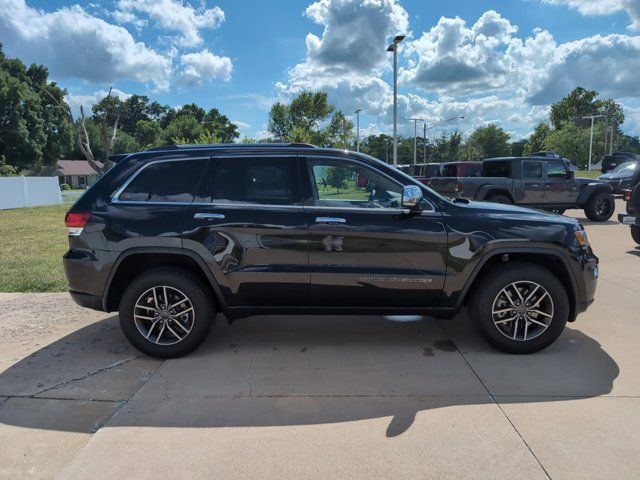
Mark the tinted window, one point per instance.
(265, 181)
(449, 171)
(496, 169)
(474, 170)
(349, 184)
(531, 170)
(556, 170)
(174, 181)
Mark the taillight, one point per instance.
(627, 195)
(75, 222)
(458, 187)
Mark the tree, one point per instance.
(33, 121)
(301, 119)
(570, 141)
(580, 103)
(148, 133)
(339, 133)
(220, 127)
(184, 129)
(488, 141)
(336, 177)
(378, 146)
(535, 143)
(6, 170)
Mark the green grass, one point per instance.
(32, 242)
(587, 174)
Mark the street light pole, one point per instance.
(592, 117)
(424, 144)
(437, 124)
(415, 137)
(394, 48)
(357, 112)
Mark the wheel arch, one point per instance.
(135, 261)
(551, 260)
(487, 191)
(590, 190)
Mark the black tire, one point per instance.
(600, 207)
(500, 199)
(488, 289)
(199, 319)
(635, 233)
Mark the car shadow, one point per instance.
(276, 371)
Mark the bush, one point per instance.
(64, 187)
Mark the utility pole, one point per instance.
(424, 144)
(592, 117)
(394, 48)
(357, 112)
(415, 137)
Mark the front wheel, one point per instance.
(165, 313)
(635, 233)
(600, 207)
(520, 308)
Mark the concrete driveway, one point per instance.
(325, 397)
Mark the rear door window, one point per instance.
(531, 170)
(256, 180)
(496, 169)
(166, 181)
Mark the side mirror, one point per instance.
(411, 196)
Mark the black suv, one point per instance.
(173, 235)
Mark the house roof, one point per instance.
(75, 167)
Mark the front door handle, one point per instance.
(330, 220)
(208, 216)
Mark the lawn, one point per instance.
(591, 174)
(32, 242)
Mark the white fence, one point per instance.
(19, 192)
(71, 197)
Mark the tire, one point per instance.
(141, 300)
(489, 296)
(635, 233)
(600, 207)
(500, 199)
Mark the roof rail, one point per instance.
(118, 157)
(230, 145)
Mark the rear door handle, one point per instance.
(208, 216)
(330, 220)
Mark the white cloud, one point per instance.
(240, 124)
(452, 57)
(73, 43)
(350, 57)
(202, 66)
(172, 15)
(604, 7)
(87, 101)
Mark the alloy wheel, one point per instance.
(522, 310)
(164, 315)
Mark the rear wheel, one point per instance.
(166, 313)
(600, 207)
(520, 308)
(500, 199)
(635, 233)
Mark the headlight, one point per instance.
(581, 237)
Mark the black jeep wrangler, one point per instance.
(173, 235)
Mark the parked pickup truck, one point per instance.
(532, 182)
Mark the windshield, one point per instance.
(625, 169)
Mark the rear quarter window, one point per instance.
(496, 169)
(166, 181)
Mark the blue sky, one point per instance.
(491, 61)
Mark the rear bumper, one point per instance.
(87, 300)
(628, 219)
